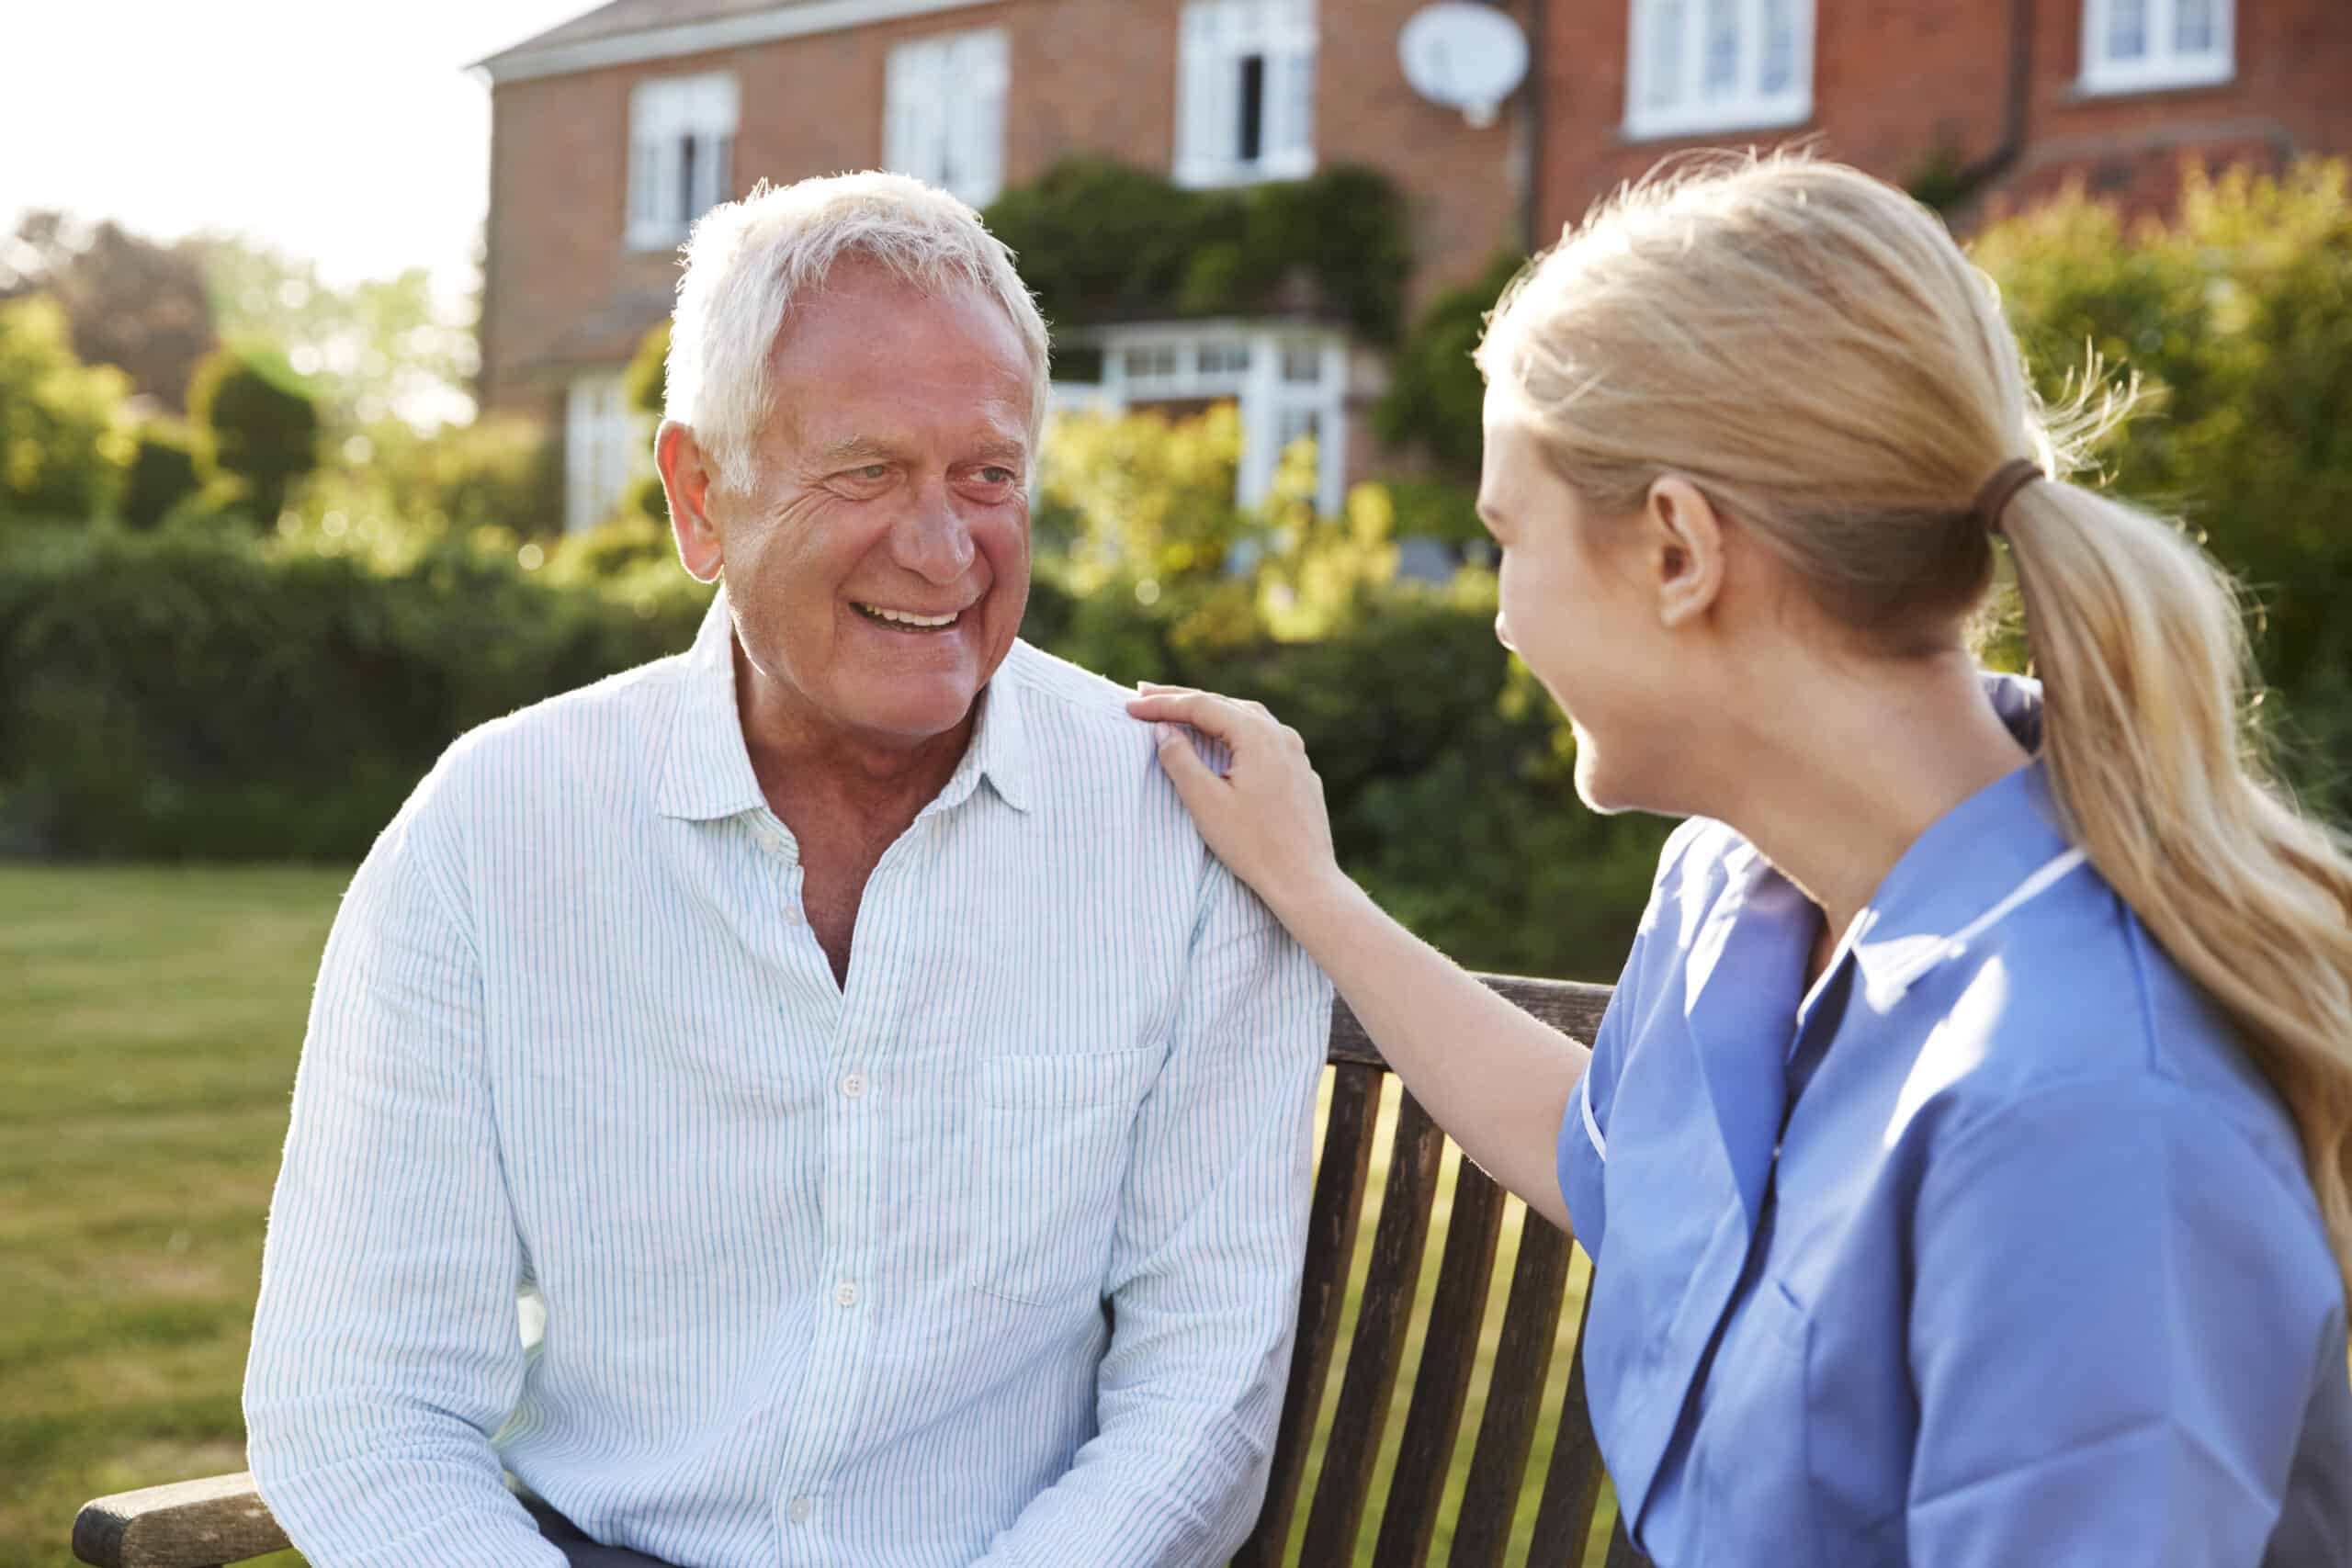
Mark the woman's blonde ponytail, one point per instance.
(2140, 644)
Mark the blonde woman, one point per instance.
(1966, 1155)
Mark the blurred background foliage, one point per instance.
(1099, 241)
(187, 673)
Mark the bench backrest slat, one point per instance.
(1384, 1313)
(1514, 1398)
(1331, 1225)
(1442, 1379)
(1449, 1360)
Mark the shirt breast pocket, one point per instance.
(1758, 1487)
(1052, 1139)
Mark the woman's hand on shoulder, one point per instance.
(1264, 815)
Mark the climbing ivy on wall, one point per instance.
(1100, 241)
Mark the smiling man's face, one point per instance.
(879, 569)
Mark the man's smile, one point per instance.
(906, 620)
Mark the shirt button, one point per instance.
(802, 1508)
(853, 1085)
(770, 841)
(846, 1292)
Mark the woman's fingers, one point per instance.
(1208, 714)
(1192, 777)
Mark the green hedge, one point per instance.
(195, 694)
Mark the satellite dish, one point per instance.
(1465, 56)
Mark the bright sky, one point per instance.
(346, 131)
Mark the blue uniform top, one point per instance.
(1992, 1248)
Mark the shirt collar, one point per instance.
(2001, 842)
(1969, 862)
(1746, 948)
(707, 769)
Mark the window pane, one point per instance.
(1722, 48)
(684, 211)
(1778, 69)
(1251, 132)
(2193, 27)
(1151, 364)
(1302, 363)
(1294, 125)
(1224, 359)
(2127, 29)
(1667, 22)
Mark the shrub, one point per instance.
(501, 471)
(63, 443)
(261, 429)
(163, 473)
(1435, 395)
(191, 694)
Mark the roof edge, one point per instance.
(525, 61)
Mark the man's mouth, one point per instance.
(906, 620)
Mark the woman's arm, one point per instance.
(1496, 1078)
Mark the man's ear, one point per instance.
(687, 481)
(1686, 549)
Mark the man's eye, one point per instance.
(996, 474)
(875, 472)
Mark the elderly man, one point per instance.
(903, 1119)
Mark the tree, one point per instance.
(132, 303)
(370, 351)
(1436, 398)
(2236, 315)
(260, 426)
(63, 441)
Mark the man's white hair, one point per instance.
(747, 261)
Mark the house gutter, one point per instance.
(1975, 178)
(1530, 216)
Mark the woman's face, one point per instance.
(1574, 608)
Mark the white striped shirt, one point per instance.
(990, 1255)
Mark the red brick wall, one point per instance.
(1895, 84)
(563, 291)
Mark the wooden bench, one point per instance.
(204, 1523)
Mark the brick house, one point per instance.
(2012, 99)
(613, 131)
(610, 131)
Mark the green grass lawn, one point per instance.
(149, 1025)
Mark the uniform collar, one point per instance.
(707, 770)
(1747, 947)
(2004, 843)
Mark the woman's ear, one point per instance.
(686, 481)
(1685, 554)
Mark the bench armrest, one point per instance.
(187, 1524)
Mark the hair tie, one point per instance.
(2007, 480)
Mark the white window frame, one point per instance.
(604, 441)
(1666, 48)
(1219, 38)
(944, 119)
(2165, 64)
(1196, 361)
(675, 122)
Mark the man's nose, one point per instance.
(931, 541)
